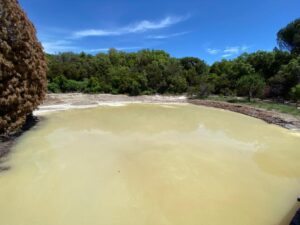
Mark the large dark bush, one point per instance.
(22, 67)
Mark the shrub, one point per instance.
(251, 85)
(22, 67)
(295, 92)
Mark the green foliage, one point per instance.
(62, 84)
(262, 62)
(289, 37)
(54, 87)
(156, 72)
(251, 85)
(205, 87)
(287, 77)
(123, 73)
(295, 92)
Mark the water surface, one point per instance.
(151, 164)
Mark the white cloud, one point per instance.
(92, 32)
(57, 46)
(236, 49)
(232, 50)
(107, 49)
(165, 36)
(228, 51)
(148, 25)
(213, 51)
(226, 55)
(141, 26)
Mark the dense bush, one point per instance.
(251, 85)
(295, 93)
(144, 72)
(148, 72)
(22, 67)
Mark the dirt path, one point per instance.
(283, 120)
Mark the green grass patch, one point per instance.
(271, 106)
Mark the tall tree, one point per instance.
(251, 85)
(287, 77)
(289, 37)
(22, 67)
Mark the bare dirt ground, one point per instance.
(94, 99)
(284, 120)
(56, 102)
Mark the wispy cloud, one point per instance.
(117, 48)
(232, 50)
(141, 26)
(166, 36)
(228, 51)
(226, 55)
(235, 49)
(213, 51)
(58, 46)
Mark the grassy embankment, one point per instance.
(268, 105)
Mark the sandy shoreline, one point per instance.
(57, 102)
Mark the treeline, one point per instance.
(144, 72)
(274, 74)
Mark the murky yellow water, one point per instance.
(151, 165)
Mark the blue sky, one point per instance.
(208, 29)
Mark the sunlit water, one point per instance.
(151, 165)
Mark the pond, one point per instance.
(151, 164)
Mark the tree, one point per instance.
(191, 62)
(222, 71)
(239, 69)
(22, 67)
(251, 85)
(262, 62)
(287, 77)
(193, 68)
(295, 92)
(177, 84)
(289, 37)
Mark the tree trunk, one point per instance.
(249, 96)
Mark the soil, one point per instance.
(272, 117)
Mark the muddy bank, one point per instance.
(283, 120)
(56, 102)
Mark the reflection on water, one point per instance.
(151, 164)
